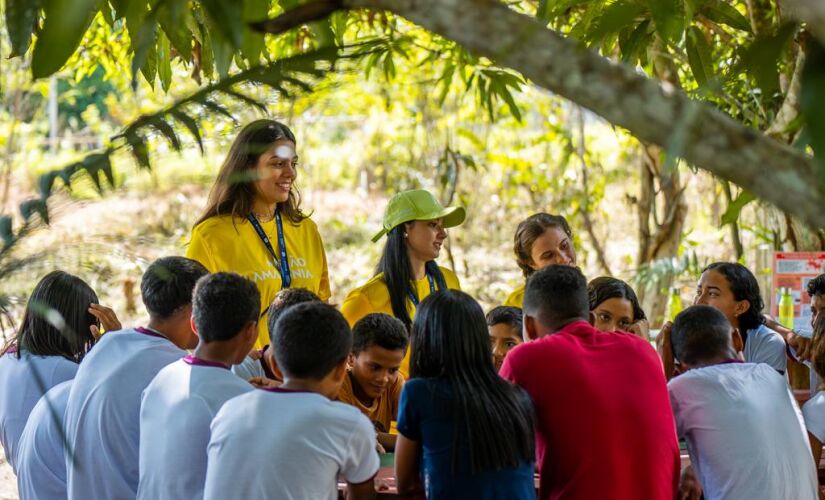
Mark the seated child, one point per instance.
(103, 411)
(42, 355)
(254, 367)
(504, 325)
(615, 308)
(292, 441)
(373, 383)
(744, 432)
(180, 403)
(41, 468)
(464, 432)
(814, 408)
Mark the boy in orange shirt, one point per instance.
(373, 383)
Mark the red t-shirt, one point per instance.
(604, 426)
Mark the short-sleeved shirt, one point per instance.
(763, 345)
(293, 445)
(103, 413)
(814, 413)
(516, 298)
(224, 243)
(374, 297)
(604, 422)
(426, 416)
(41, 468)
(744, 433)
(383, 410)
(23, 382)
(175, 414)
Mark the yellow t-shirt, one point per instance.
(384, 410)
(516, 298)
(373, 297)
(220, 245)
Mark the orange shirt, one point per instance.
(383, 410)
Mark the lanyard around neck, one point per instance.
(414, 296)
(283, 261)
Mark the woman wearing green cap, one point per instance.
(415, 224)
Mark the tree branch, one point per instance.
(298, 16)
(656, 113)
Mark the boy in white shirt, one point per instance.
(185, 396)
(293, 442)
(103, 412)
(744, 431)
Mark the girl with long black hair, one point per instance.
(464, 432)
(61, 322)
(415, 224)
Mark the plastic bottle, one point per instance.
(674, 303)
(786, 308)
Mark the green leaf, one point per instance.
(139, 150)
(247, 100)
(150, 66)
(217, 108)
(207, 56)
(45, 183)
(615, 17)
(668, 17)
(731, 215)
(6, 231)
(223, 53)
(164, 62)
(191, 125)
(631, 45)
(65, 22)
(721, 12)
(812, 102)
(253, 41)
(761, 57)
(228, 19)
(174, 19)
(699, 56)
(20, 18)
(30, 207)
(164, 128)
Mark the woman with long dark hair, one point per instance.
(614, 307)
(415, 224)
(60, 324)
(464, 432)
(253, 224)
(541, 240)
(732, 288)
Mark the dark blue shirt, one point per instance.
(425, 415)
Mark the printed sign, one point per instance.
(794, 270)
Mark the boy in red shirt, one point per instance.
(604, 427)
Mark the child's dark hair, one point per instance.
(285, 299)
(168, 283)
(57, 321)
(311, 339)
(816, 286)
(818, 347)
(744, 286)
(450, 342)
(223, 304)
(507, 315)
(700, 333)
(605, 287)
(381, 330)
(556, 293)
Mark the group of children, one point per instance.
(567, 385)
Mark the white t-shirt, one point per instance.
(744, 433)
(41, 468)
(22, 383)
(814, 412)
(304, 440)
(764, 345)
(175, 414)
(249, 368)
(103, 414)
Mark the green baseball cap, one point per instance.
(417, 204)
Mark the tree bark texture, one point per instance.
(653, 112)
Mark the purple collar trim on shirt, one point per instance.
(149, 332)
(731, 360)
(287, 391)
(195, 361)
(12, 349)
